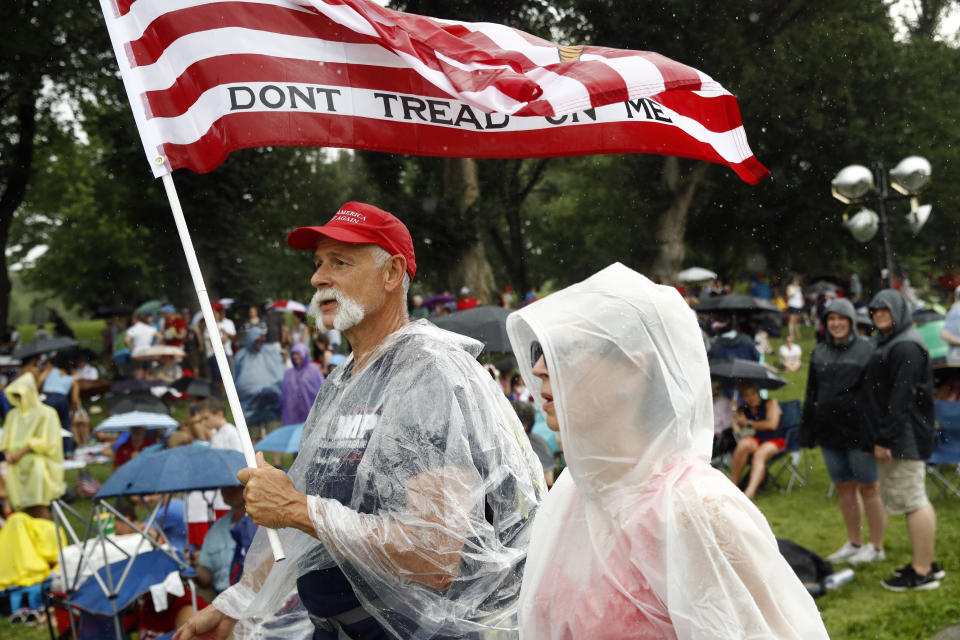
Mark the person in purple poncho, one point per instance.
(300, 386)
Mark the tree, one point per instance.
(109, 221)
(55, 54)
(469, 198)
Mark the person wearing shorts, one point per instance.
(831, 418)
(757, 421)
(898, 394)
(794, 307)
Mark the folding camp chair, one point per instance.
(947, 451)
(102, 597)
(789, 462)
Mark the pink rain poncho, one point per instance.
(640, 537)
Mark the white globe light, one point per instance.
(853, 182)
(863, 225)
(916, 219)
(912, 173)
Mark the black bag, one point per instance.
(809, 567)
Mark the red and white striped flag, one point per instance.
(207, 77)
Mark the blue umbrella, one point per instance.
(178, 469)
(285, 439)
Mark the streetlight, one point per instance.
(857, 185)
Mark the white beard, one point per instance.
(349, 312)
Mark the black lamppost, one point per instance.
(856, 185)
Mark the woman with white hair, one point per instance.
(640, 536)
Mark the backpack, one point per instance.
(809, 567)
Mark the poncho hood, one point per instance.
(304, 353)
(845, 308)
(628, 372)
(640, 537)
(22, 393)
(899, 309)
(254, 333)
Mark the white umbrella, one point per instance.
(695, 274)
(125, 421)
(158, 351)
(289, 306)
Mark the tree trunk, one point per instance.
(514, 256)
(15, 190)
(472, 269)
(672, 226)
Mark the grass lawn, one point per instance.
(860, 609)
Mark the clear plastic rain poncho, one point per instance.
(640, 537)
(429, 490)
(37, 478)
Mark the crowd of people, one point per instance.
(564, 492)
(869, 406)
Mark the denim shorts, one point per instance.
(850, 464)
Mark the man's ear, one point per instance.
(393, 272)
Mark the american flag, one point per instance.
(207, 77)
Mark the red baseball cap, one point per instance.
(359, 223)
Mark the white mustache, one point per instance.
(349, 312)
(326, 294)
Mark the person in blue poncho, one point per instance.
(258, 371)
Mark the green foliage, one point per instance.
(109, 225)
(812, 101)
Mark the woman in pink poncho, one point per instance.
(640, 537)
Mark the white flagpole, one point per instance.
(217, 343)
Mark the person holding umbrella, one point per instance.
(832, 418)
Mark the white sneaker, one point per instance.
(867, 553)
(843, 552)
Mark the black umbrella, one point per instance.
(738, 370)
(136, 401)
(735, 303)
(822, 287)
(922, 316)
(44, 345)
(943, 372)
(109, 311)
(196, 387)
(487, 324)
(506, 365)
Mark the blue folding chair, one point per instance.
(788, 462)
(947, 451)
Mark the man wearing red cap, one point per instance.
(407, 510)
